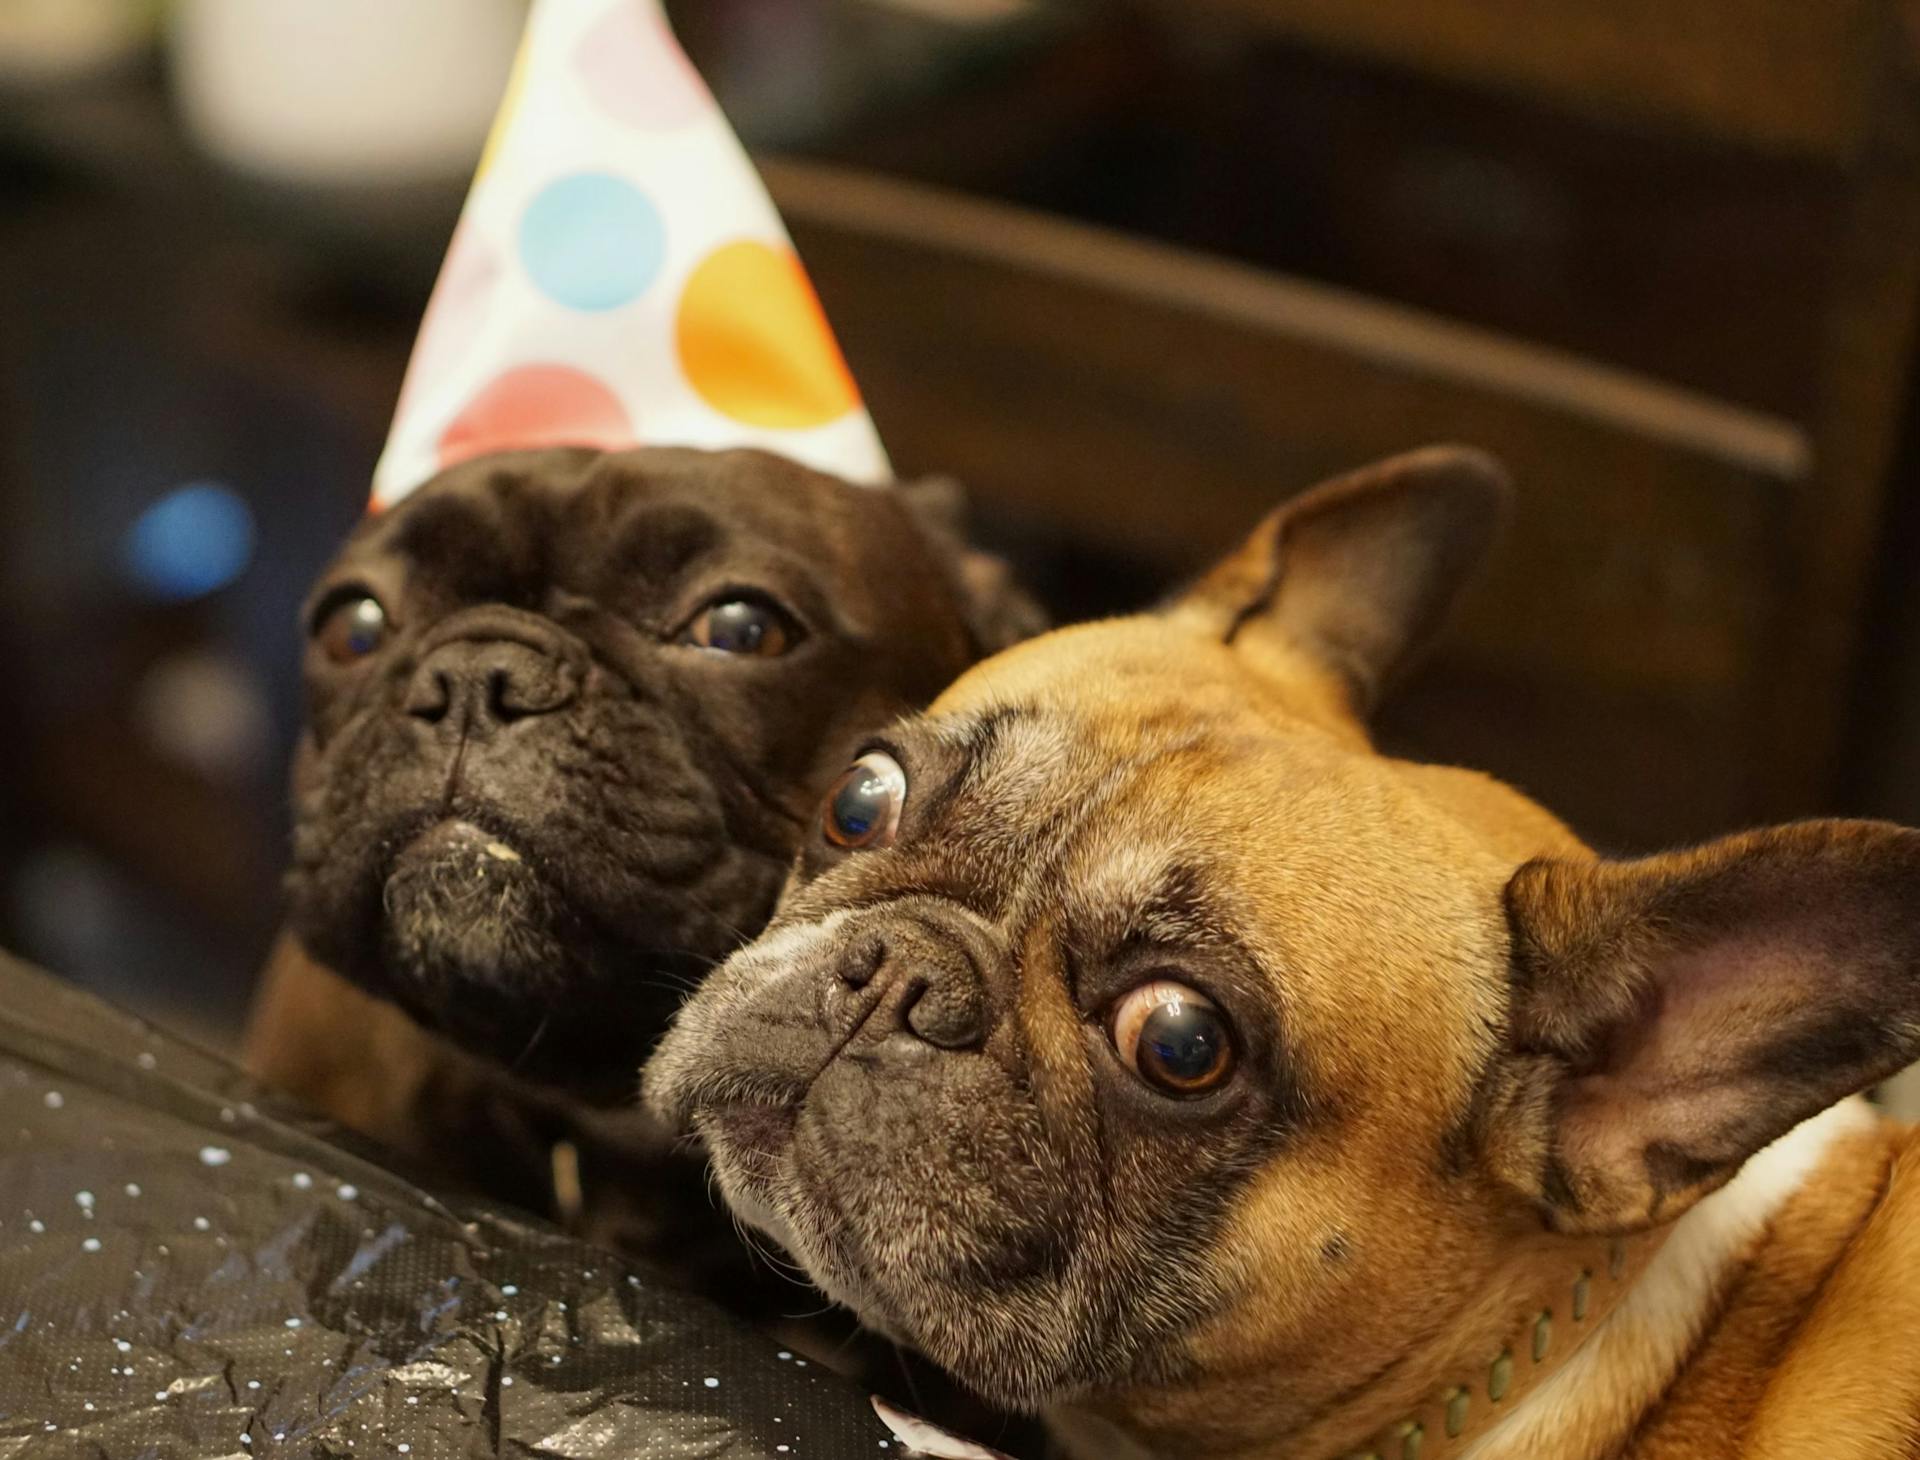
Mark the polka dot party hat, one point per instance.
(619, 276)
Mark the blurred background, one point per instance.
(1134, 271)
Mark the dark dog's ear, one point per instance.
(1672, 1016)
(1358, 572)
(999, 612)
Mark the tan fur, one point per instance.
(1849, 1386)
(343, 1051)
(1762, 1316)
(1824, 1274)
(1529, 1081)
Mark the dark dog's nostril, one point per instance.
(500, 697)
(429, 695)
(490, 683)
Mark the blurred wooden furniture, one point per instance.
(1667, 645)
(1625, 658)
(1831, 84)
(1785, 75)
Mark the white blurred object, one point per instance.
(961, 12)
(343, 92)
(54, 40)
(206, 711)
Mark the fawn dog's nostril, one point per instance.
(862, 960)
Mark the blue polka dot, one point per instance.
(592, 241)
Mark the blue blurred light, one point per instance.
(195, 539)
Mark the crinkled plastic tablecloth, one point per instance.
(186, 1274)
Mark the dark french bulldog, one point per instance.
(1144, 1047)
(569, 713)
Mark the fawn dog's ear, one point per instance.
(1673, 1015)
(1358, 572)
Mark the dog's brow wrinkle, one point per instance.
(665, 540)
(981, 741)
(435, 524)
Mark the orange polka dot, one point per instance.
(754, 342)
(537, 405)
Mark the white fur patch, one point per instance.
(1634, 1353)
(922, 1438)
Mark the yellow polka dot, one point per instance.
(509, 108)
(754, 342)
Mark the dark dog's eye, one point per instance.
(863, 810)
(742, 626)
(352, 628)
(1173, 1038)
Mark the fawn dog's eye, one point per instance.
(1175, 1039)
(863, 809)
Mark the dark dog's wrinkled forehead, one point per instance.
(624, 529)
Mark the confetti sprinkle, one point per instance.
(53, 1100)
(215, 1155)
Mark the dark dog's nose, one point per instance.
(477, 684)
(928, 987)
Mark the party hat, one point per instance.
(619, 276)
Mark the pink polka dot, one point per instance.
(454, 314)
(636, 72)
(537, 405)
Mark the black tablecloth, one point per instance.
(187, 1273)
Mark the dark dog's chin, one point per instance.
(464, 907)
(476, 942)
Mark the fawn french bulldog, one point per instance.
(1152, 1053)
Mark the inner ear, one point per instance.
(1358, 573)
(1672, 1016)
